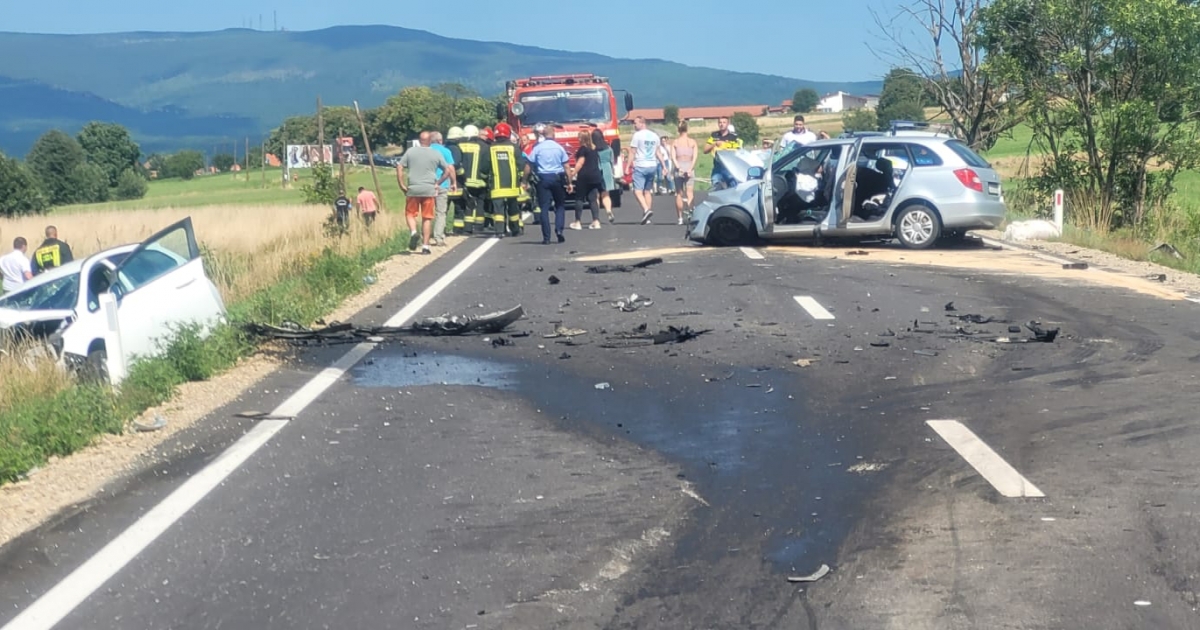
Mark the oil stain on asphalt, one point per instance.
(774, 473)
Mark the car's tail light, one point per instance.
(970, 179)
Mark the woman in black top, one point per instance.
(588, 181)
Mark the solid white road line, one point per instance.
(813, 307)
(58, 602)
(983, 459)
(752, 254)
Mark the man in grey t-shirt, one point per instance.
(422, 164)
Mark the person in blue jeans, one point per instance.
(548, 161)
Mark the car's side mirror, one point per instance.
(628, 102)
(756, 172)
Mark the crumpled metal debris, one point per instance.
(632, 303)
(1041, 334)
(561, 331)
(158, 423)
(641, 336)
(812, 577)
(466, 324)
(624, 268)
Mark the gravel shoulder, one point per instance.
(68, 481)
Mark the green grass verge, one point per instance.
(31, 431)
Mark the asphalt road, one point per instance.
(595, 481)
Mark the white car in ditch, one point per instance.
(159, 286)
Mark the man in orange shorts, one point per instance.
(422, 163)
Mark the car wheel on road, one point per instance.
(918, 227)
(727, 231)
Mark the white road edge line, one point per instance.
(64, 597)
(752, 254)
(813, 307)
(1003, 477)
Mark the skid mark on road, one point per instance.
(813, 307)
(1003, 477)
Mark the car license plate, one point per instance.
(993, 188)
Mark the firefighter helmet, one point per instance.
(503, 130)
(455, 133)
(471, 131)
(487, 134)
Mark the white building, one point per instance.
(841, 101)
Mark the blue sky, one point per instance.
(819, 40)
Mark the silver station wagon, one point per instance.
(915, 187)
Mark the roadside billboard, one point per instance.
(305, 155)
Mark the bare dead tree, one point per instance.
(940, 41)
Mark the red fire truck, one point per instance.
(570, 102)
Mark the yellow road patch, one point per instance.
(1003, 262)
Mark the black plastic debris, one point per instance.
(502, 341)
(880, 344)
(1014, 329)
(975, 319)
(554, 280)
(624, 268)
(335, 333)
(641, 336)
(950, 307)
(666, 289)
(1041, 334)
(1077, 265)
(1157, 277)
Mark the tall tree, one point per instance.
(20, 191)
(223, 161)
(859, 120)
(805, 100)
(747, 128)
(1113, 92)
(53, 159)
(901, 98)
(184, 164)
(671, 114)
(941, 42)
(109, 146)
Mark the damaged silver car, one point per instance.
(915, 188)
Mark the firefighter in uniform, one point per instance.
(457, 201)
(508, 163)
(477, 171)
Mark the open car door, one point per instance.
(849, 178)
(161, 286)
(766, 193)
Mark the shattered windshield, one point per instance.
(57, 294)
(566, 106)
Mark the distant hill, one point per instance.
(177, 89)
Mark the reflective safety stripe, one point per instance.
(471, 155)
(48, 257)
(505, 183)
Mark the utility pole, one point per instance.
(370, 156)
(320, 130)
(246, 158)
(341, 157)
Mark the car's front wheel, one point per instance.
(725, 231)
(918, 227)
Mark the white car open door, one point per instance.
(160, 287)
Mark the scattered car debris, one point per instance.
(564, 356)
(335, 333)
(812, 577)
(260, 415)
(858, 252)
(950, 307)
(1166, 248)
(1014, 329)
(632, 303)
(466, 324)
(554, 279)
(561, 331)
(1041, 334)
(502, 341)
(925, 353)
(1077, 265)
(666, 289)
(804, 362)
(1157, 277)
(880, 344)
(976, 319)
(158, 423)
(624, 268)
(603, 386)
(640, 335)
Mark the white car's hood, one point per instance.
(738, 163)
(10, 317)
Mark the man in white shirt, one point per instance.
(645, 165)
(799, 134)
(15, 267)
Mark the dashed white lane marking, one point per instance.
(59, 601)
(1003, 477)
(752, 254)
(813, 307)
